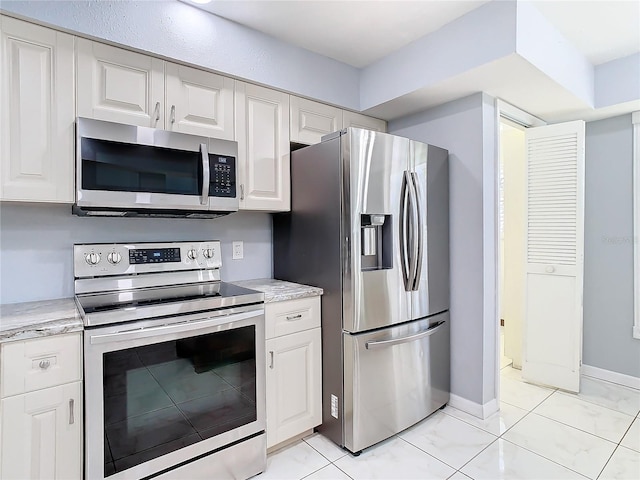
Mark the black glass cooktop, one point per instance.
(166, 295)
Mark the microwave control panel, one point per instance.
(222, 176)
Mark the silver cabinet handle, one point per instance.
(157, 112)
(294, 317)
(271, 359)
(44, 364)
(242, 191)
(409, 338)
(71, 404)
(206, 176)
(172, 115)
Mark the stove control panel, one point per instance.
(98, 259)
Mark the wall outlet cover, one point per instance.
(237, 250)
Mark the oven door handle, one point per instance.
(190, 326)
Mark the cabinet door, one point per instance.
(199, 102)
(262, 132)
(38, 113)
(310, 121)
(119, 86)
(42, 434)
(294, 385)
(352, 119)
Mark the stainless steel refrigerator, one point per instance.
(369, 223)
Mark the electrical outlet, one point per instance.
(238, 250)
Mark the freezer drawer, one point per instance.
(394, 378)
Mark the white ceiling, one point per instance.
(361, 32)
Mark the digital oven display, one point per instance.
(154, 255)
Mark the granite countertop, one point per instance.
(279, 290)
(20, 321)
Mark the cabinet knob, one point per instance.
(44, 364)
(550, 269)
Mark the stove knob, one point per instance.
(114, 258)
(209, 252)
(192, 254)
(92, 258)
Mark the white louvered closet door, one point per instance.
(552, 327)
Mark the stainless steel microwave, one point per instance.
(126, 170)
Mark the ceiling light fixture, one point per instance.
(201, 2)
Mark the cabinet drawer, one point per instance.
(291, 316)
(34, 364)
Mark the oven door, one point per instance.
(161, 392)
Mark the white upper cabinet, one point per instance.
(37, 92)
(352, 119)
(119, 86)
(199, 102)
(262, 132)
(310, 121)
(126, 87)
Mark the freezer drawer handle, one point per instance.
(409, 338)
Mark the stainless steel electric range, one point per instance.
(173, 363)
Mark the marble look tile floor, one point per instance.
(538, 434)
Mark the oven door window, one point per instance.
(162, 397)
(123, 167)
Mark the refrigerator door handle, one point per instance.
(404, 260)
(414, 232)
(419, 228)
(409, 338)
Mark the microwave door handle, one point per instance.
(204, 196)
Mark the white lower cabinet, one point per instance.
(41, 429)
(294, 371)
(42, 434)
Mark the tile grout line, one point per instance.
(584, 431)
(587, 400)
(548, 459)
(616, 449)
(442, 461)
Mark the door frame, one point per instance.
(516, 115)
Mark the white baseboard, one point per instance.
(609, 376)
(473, 408)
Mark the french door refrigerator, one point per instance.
(369, 223)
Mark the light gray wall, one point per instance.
(458, 127)
(36, 245)
(179, 31)
(608, 249)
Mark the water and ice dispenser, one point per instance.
(375, 242)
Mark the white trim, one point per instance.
(609, 376)
(473, 408)
(635, 119)
(526, 120)
(516, 115)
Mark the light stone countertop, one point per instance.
(21, 321)
(279, 290)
